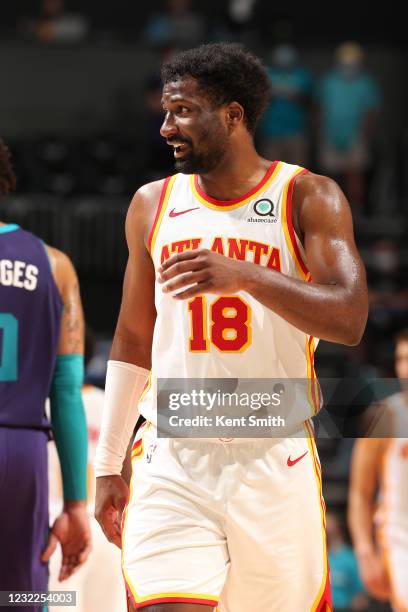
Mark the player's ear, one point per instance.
(235, 115)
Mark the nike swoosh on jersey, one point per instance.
(294, 461)
(174, 213)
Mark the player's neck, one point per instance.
(237, 174)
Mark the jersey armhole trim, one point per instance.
(313, 387)
(255, 192)
(9, 227)
(289, 230)
(161, 208)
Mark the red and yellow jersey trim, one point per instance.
(314, 393)
(237, 202)
(137, 449)
(289, 230)
(313, 390)
(169, 598)
(147, 387)
(323, 601)
(161, 209)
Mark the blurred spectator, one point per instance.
(349, 102)
(55, 24)
(383, 264)
(387, 277)
(240, 11)
(347, 588)
(178, 23)
(234, 21)
(283, 130)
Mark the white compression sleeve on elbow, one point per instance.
(123, 388)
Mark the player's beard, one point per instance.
(213, 148)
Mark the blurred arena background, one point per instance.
(80, 109)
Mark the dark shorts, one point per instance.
(23, 511)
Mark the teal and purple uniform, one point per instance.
(30, 318)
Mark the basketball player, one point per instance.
(213, 290)
(380, 534)
(98, 584)
(41, 354)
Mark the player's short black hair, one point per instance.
(7, 176)
(226, 72)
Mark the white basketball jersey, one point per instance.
(231, 336)
(393, 510)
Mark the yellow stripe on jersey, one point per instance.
(161, 209)
(146, 387)
(254, 193)
(317, 604)
(313, 388)
(288, 226)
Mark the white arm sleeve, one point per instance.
(124, 386)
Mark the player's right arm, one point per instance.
(132, 342)
(129, 365)
(365, 470)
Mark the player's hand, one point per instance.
(112, 494)
(71, 529)
(374, 576)
(209, 272)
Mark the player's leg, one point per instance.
(174, 549)
(23, 511)
(275, 530)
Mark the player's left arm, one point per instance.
(333, 307)
(71, 528)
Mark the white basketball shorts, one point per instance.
(238, 526)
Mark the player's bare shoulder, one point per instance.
(317, 198)
(310, 183)
(72, 323)
(62, 268)
(142, 209)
